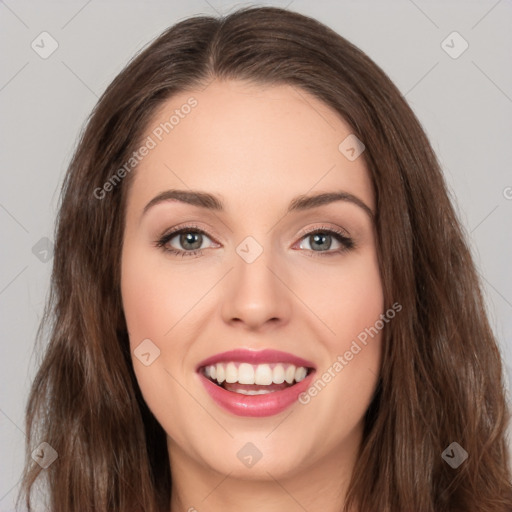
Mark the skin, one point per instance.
(256, 147)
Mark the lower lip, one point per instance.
(256, 405)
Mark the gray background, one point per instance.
(464, 104)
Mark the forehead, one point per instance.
(249, 144)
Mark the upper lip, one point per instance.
(241, 355)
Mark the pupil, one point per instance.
(189, 239)
(320, 240)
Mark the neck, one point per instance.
(318, 485)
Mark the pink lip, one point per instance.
(256, 405)
(242, 355)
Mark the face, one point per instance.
(277, 296)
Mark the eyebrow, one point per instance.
(299, 203)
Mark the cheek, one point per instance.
(351, 306)
(360, 300)
(347, 298)
(152, 306)
(361, 307)
(152, 302)
(156, 299)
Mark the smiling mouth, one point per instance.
(255, 379)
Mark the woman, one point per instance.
(261, 293)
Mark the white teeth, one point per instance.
(221, 373)
(253, 392)
(290, 374)
(231, 373)
(278, 374)
(245, 374)
(300, 373)
(261, 374)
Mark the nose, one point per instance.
(256, 295)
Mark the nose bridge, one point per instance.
(255, 293)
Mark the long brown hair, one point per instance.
(441, 378)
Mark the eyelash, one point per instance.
(346, 242)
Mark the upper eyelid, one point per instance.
(192, 228)
(338, 230)
(185, 229)
(181, 229)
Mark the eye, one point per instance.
(321, 241)
(186, 241)
(190, 240)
